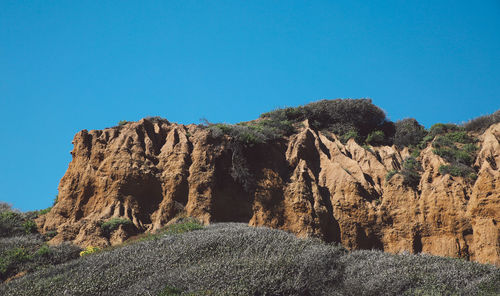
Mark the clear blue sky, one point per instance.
(72, 65)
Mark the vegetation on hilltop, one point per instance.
(339, 116)
(348, 118)
(357, 119)
(361, 120)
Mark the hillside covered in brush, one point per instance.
(235, 259)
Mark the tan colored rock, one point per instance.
(310, 184)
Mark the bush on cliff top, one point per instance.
(481, 123)
(408, 132)
(339, 116)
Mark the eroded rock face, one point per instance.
(310, 184)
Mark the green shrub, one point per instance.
(10, 223)
(449, 169)
(462, 156)
(445, 147)
(44, 211)
(113, 224)
(247, 135)
(22, 248)
(408, 132)
(349, 135)
(122, 122)
(274, 127)
(425, 141)
(470, 148)
(375, 138)
(410, 163)
(29, 253)
(458, 170)
(50, 234)
(338, 116)
(411, 171)
(157, 119)
(13, 222)
(411, 178)
(30, 227)
(342, 115)
(20, 255)
(288, 113)
(169, 291)
(390, 174)
(43, 251)
(439, 129)
(415, 151)
(446, 153)
(10, 259)
(182, 227)
(443, 128)
(459, 137)
(441, 142)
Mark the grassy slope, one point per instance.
(234, 259)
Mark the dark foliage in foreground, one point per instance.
(234, 259)
(14, 222)
(22, 249)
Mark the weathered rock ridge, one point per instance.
(310, 184)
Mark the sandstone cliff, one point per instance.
(309, 183)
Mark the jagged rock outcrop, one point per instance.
(310, 184)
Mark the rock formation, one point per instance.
(310, 184)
